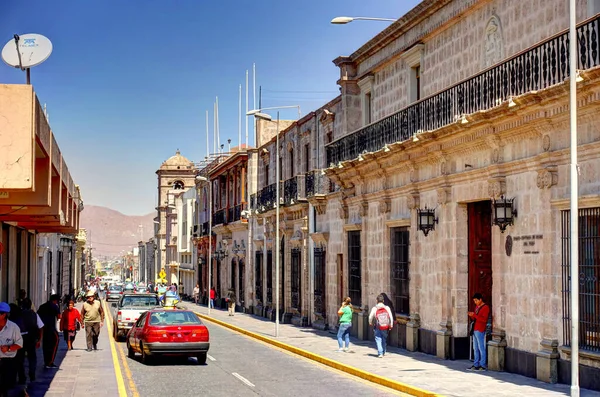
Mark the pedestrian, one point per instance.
(49, 312)
(211, 303)
(381, 320)
(345, 313)
(32, 333)
(196, 293)
(479, 325)
(92, 316)
(230, 299)
(69, 324)
(10, 342)
(181, 288)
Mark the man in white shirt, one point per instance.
(382, 320)
(10, 341)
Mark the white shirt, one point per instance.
(374, 310)
(10, 335)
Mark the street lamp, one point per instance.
(345, 20)
(259, 115)
(200, 178)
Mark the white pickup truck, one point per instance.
(127, 311)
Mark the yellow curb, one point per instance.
(381, 380)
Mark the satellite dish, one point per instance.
(26, 51)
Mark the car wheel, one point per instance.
(146, 358)
(201, 358)
(130, 351)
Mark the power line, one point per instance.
(304, 92)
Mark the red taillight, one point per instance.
(199, 335)
(120, 292)
(155, 335)
(119, 316)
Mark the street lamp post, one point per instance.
(345, 20)
(257, 113)
(203, 179)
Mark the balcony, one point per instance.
(294, 190)
(537, 68)
(317, 184)
(265, 199)
(219, 217)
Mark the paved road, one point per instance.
(244, 367)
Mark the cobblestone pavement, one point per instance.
(446, 377)
(79, 373)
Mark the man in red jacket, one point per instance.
(480, 316)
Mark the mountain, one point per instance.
(109, 232)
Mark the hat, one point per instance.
(55, 297)
(4, 307)
(89, 293)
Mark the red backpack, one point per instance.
(382, 319)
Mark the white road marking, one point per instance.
(211, 358)
(240, 377)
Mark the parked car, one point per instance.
(114, 292)
(168, 332)
(128, 310)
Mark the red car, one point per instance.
(168, 332)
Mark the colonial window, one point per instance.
(296, 274)
(366, 99)
(178, 185)
(416, 77)
(589, 279)
(354, 268)
(266, 175)
(413, 58)
(399, 265)
(292, 173)
(306, 158)
(320, 281)
(368, 109)
(258, 263)
(269, 276)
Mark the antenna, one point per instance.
(26, 51)
(246, 108)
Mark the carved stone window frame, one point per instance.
(366, 88)
(413, 58)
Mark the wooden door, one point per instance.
(480, 251)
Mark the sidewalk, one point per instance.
(80, 373)
(445, 377)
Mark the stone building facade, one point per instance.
(426, 130)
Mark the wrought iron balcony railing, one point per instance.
(219, 217)
(537, 68)
(266, 199)
(237, 212)
(317, 184)
(294, 190)
(230, 215)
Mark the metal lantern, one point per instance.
(426, 220)
(504, 212)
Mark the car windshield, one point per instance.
(137, 301)
(115, 288)
(174, 318)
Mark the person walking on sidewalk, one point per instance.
(231, 299)
(211, 302)
(69, 324)
(49, 312)
(92, 316)
(380, 318)
(10, 342)
(32, 333)
(196, 293)
(343, 334)
(480, 317)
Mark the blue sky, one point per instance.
(129, 82)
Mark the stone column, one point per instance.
(547, 361)
(412, 333)
(443, 339)
(496, 350)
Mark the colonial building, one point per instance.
(451, 150)
(175, 176)
(37, 196)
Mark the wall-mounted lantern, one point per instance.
(426, 220)
(504, 213)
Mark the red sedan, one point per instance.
(168, 332)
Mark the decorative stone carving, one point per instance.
(496, 188)
(443, 195)
(320, 207)
(494, 43)
(344, 211)
(547, 178)
(546, 143)
(547, 361)
(412, 201)
(413, 173)
(385, 206)
(364, 209)
(495, 156)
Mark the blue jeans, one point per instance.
(344, 333)
(480, 349)
(211, 304)
(381, 340)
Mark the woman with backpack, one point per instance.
(381, 319)
(343, 334)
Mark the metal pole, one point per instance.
(209, 239)
(277, 248)
(574, 232)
